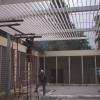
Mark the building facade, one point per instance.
(18, 69)
(72, 67)
(61, 67)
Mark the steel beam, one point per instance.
(16, 29)
(6, 2)
(82, 30)
(66, 38)
(5, 21)
(73, 9)
(72, 31)
(66, 10)
(83, 9)
(69, 10)
(5, 25)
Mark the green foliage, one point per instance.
(3, 33)
(97, 39)
(69, 45)
(63, 45)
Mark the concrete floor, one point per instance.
(64, 93)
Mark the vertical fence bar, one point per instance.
(38, 65)
(0, 65)
(69, 68)
(82, 70)
(96, 77)
(44, 63)
(56, 70)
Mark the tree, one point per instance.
(3, 33)
(97, 24)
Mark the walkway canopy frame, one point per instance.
(52, 21)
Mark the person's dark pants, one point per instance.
(43, 86)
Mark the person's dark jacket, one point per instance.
(42, 78)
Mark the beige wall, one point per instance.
(73, 53)
(3, 42)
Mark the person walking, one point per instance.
(42, 80)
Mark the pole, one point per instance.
(69, 68)
(7, 89)
(56, 70)
(82, 70)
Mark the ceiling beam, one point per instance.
(6, 2)
(71, 9)
(16, 30)
(5, 21)
(83, 9)
(71, 31)
(66, 10)
(6, 25)
(55, 39)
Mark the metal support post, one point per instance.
(69, 68)
(96, 81)
(0, 63)
(44, 63)
(8, 72)
(38, 65)
(82, 70)
(56, 70)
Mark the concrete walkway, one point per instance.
(55, 92)
(71, 93)
(74, 91)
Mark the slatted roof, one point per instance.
(73, 20)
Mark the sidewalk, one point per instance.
(74, 91)
(71, 92)
(55, 92)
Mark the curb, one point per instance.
(75, 96)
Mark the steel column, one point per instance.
(38, 65)
(82, 70)
(0, 64)
(96, 77)
(69, 68)
(44, 63)
(56, 70)
(7, 89)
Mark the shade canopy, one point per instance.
(51, 19)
